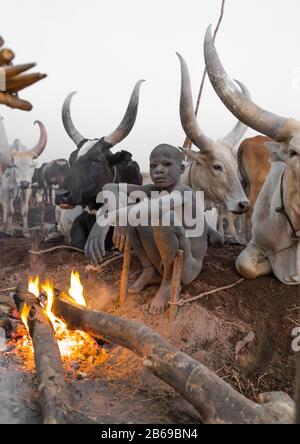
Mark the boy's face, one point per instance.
(165, 169)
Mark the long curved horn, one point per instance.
(67, 121)
(129, 118)
(242, 108)
(40, 146)
(187, 113)
(240, 129)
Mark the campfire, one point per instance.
(74, 345)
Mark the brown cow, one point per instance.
(254, 164)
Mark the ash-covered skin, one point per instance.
(156, 246)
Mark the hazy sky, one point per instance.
(100, 48)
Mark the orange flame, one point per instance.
(24, 314)
(58, 325)
(34, 286)
(76, 289)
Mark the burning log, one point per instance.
(14, 102)
(18, 83)
(214, 399)
(54, 398)
(6, 56)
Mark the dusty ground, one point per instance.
(118, 389)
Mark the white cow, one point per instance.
(16, 180)
(213, 168)
(275, 239)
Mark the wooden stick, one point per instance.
(20, 82)
(14, 102)
(35, 246)
(214, 399)
(125, 271)
(215, 290)
(6, 56)
(54, 398)
(187, 143)
(175, 285)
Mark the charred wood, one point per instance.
(214, 399)
(54, 398)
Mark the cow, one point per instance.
(254, 161)
(47, 176)
(274, 245)
(16, 180)
(213, 169)
(92, 165)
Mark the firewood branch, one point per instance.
(54, 398)
(214, 399)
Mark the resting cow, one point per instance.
(276, 217)
(92, 165)
(16, 180)
(212, 169)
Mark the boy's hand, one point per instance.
(120, 236)
(94, 248)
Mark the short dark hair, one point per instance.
(170, 151)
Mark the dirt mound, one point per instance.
(211, 330)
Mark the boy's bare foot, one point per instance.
(149, 276)
(160, 301)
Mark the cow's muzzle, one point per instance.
(24, 184)
(63, 199)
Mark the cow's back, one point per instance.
(254, 165)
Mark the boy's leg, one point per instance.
(168, 240)
(144, 246)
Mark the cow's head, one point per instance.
(56, 171)
(92, 164)
(285, 131)
(215, 168)
(23, 160)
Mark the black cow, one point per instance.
(92, 165)
(47, 176)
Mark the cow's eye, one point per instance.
(218, 167)
(292, 153)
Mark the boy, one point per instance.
(156, 245)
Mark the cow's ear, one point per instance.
(278, 150)
(120, 157)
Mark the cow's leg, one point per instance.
(9, 217)
(24, 197)
(231, 227)
(252, 262)
(157, 248)
(221, 221)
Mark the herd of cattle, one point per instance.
(261, 180)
